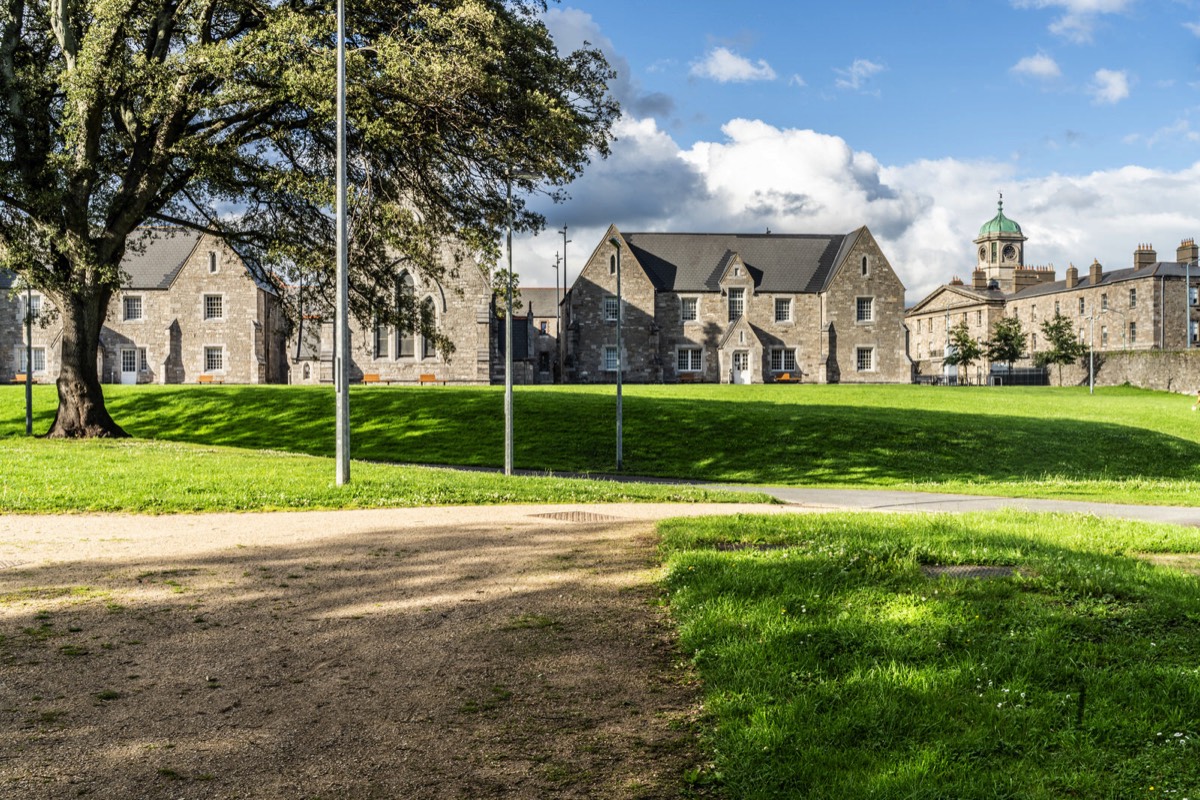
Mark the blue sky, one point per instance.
(909, 118)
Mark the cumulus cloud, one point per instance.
(1193, 27)
(1078, 19)
(855, 76)
(1109, 86)
(1037, 66)
(725, 66)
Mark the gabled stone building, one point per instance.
(738, 308)
(1143, 307)
(189, 311)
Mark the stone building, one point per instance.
(1143, 307)
(189, 311)
(738, 308)
(540, 306)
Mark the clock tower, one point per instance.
(1000, 250)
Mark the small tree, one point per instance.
(965, 349)
(1064, 346)
(1007, 343)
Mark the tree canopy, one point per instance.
(220, 115)
(1008, 341)
(965, 349)
(1063, 345)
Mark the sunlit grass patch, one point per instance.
(833, 667)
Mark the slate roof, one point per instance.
(1170, 269)
(542, 300)
(694, 262)
(153, 260)
(7, 279)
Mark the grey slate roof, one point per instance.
(1170, 269)
(152, 260)
(541, 299)
(694, 262)
(7, 279)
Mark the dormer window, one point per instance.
(737, 303)
(737, 272)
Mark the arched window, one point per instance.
(612, 264)
(428, 314)
(406, 340)
(307, 372)
(864, 266)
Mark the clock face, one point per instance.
(1010, 253)
(983, 254)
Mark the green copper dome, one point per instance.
(999, 223)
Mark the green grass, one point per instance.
(1120, 445)
(833, 668)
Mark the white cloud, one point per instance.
(725, 66)
(1194, 27)
(1037, 66)
(857, 74)
(1079, 16)
(1109, 86)
(797, 80)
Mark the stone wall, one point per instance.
(1164, 370)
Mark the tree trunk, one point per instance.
(81, 412)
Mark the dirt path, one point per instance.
(424, 653)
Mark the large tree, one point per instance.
(219, 115)
(1063, 346)
(1008, 341)
(964, 349)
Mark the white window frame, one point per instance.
(609, 359)
(34, 309)
(683, 304)
(143, 360)
(694, 356)
(1194, 295)
(740, 293)
(219, 349)
(779, 359)
(1082, 306)
(858, 359)
(141, 304)
(214, 264)
(787, 304)
(1104, 302)
(611, 308)
(218, 297)
(132, 354)
(1133, 297)
(859, 319)
(1133, 333)
(39, 354)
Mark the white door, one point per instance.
(129, 365)
(741, 367)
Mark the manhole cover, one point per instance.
(750, 546)
(577, 516)
(968, 571)
(12, 564)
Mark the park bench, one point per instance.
(787, 377)
(210, 379)
(20, 378)
(689, 377)
(429, 377)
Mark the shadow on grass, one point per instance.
(689, 438)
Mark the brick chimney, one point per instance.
(956, 281)
(1144, 256)
(978, 279)
(1072, 276)
(1096, 272)
(1187, 252)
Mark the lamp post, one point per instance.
(28, 359)
(341, 372)
(1092, 353)
(557, 313)
(562, 344)
(508, 336)
(1187, 305)
(615, 242)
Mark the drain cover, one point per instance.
(728, 546)
(577, 516)
(968, 571)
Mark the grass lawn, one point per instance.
(1120, 445)
(833, 668)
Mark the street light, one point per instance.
(508, 328)
(28, 359)
(1092, 353)
(562, 344)
(341, 372)
(1187, 305)
(557, 315)
(615, 242)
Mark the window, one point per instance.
(545, 327)
(737, 303)
(783, 309)
(381, 341)
(1033, 313)
(212, 262)
(783, 359)
(35, 306)
(1133, 298)
(128, 360)
(865, 359)
(1193, 295)
(1133, 333)
(610, 358)
(143, 362)
(1033, 341)
(687, 309)
(737, 272)
(1104, 336)
(930, 324)
(406, 340)
(688, 359)
(865, 309)
(1056, 309)
(543, 362)
(864, 266)
(979, 317)
(214, 306)
(1195, 330)
(1104, 302)
(429, 314)
(612, 264)
(1082, 306)
(131, 307)
(214, 359)
(610, 309)
(39, 360)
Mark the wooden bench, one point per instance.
(210, 379)
(689, 377)
(429, 377)
(787, 377)
(370, 377)
(20, 378)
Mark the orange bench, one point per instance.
(787, 377)
(210, 379)
(370, 377)
(429, 377)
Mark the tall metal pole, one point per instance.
(557, 315)
(1187, 305)
(1092, 354)
(620, 361)
(341, 372)
(28, 360)
(562, 341)
(508, 340)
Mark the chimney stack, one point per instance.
(956, 281)
(1144, 256)
(1187, 252)
(1072, 277)
(1096, 272)
(978, 279)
